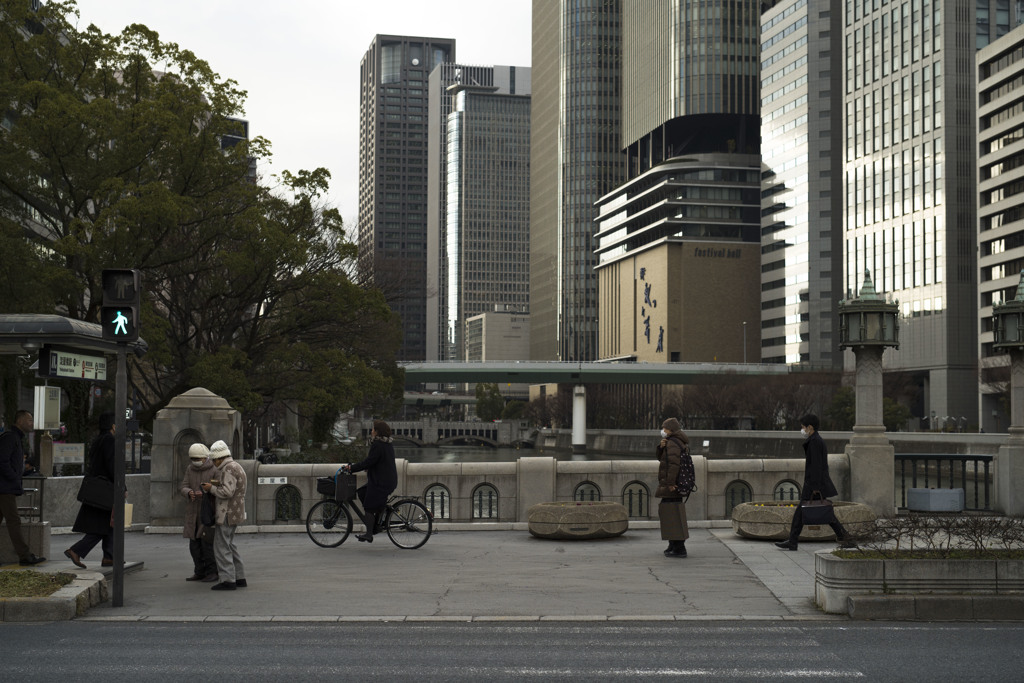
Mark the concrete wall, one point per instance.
(520, 484)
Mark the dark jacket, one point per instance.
(92, 520)
(670, 457)
(381, 474)
(12, 462)
(816, 469)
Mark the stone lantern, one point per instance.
(1008, 332)
(869, 325)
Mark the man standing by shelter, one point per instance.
(12, 466)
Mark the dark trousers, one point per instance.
(89, 542)
(9, 514)
(371, 518)
(201, 549)
(798, 526)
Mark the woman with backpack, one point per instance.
(675, 480)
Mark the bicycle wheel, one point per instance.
(409, 524)
(328, 523)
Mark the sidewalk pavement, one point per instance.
(468, 575)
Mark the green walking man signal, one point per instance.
(122, 293)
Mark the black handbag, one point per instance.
(208, 510)
(97, 492)
(817, 510)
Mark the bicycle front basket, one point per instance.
(325, 486)
(346, 487)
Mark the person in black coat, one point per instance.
(381, 476)
(92, 521)
(816, 481)
(12, 465)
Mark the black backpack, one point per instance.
(686, 480)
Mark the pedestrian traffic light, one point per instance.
(119, 316)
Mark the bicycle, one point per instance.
(407, 521)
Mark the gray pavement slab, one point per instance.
(478, 575)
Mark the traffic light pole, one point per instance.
(120, 408)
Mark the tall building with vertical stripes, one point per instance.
(1000, 207)
(802, 182)
(576, 158)
(393, 171)
(911, 185)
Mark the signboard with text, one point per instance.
(69, 365)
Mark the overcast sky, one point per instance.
(299, 61)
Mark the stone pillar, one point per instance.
(872, 457)
(1010, 461)
(579, 419)
(536, 480)
(196, 416)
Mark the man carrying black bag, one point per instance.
(817, 483)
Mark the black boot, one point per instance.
(789, 544)
(368, 534)
(677, 549)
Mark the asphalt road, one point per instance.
(719, 651)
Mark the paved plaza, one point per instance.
(470, 575)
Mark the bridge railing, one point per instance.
(971, 472)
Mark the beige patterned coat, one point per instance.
(230, 493)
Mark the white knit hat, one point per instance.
(198, 451)
(219, 450)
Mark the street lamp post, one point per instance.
(1008, 333)
(868, 325)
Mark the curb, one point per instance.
(936, 607)
(418, 619)
(438, 526)
(73, 600)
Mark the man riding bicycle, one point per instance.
(381, 477)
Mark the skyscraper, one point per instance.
(911, 183)
(679, 241)
(393, 175)
(1001, 207)
(576, 158)
(478, 218)
(802, 182)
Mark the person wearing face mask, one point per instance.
(673, 454)
(816, 480)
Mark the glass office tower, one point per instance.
(802, 177)
(576, 158)
(1000, 208)
(911, 185)
(487, 216)
(393, 173)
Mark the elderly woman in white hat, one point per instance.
(200, 538)
(229, 490)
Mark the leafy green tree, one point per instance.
(894, 415)
(513, 410)
(489, 402)
(842, 412)
(107, 162)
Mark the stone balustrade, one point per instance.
(478, 492)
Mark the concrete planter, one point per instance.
(837, 580)
(771, 520)
(578, 520)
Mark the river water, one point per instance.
(485, 454)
